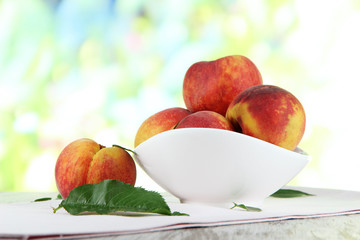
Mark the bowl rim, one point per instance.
(297, 150)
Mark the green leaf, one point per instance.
(59, 197)
(289, 193)
(42, 199)
(247, 208)
(110, 196)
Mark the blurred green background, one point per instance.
(77, 68)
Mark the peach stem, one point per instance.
(126, 149)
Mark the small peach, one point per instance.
(205, 119)
(160, 122)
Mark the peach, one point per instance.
(269, 113)
(160, 122)
(84, 161)
(212, 85)
(205, 119)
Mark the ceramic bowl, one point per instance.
(217, 167)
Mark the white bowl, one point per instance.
(217, 167)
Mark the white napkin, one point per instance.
(37, 218)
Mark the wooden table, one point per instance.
(346, 226)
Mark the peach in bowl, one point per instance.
(216, 166)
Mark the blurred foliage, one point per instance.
(97, 69)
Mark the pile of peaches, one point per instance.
(227, 93)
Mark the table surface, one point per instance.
(332, 227)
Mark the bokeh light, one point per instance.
(76, 68)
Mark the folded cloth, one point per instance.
(28, 219)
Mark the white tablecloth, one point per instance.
(29, 218)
